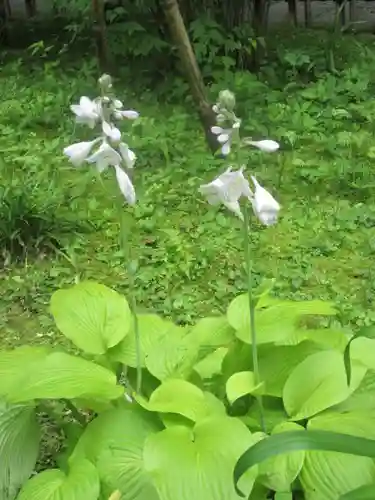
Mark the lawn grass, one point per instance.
(189, 254)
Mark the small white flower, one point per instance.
(125, 185)
(87, 112)
(112, 132)
(266, 145)
(225, 135)
(265, 206)
(127, 154)
(78, 152)
(129, 114)
(117, 104)
(227, 189)
(104, 157)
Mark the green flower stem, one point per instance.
(126, 247)
(75, 413)
(254, 348)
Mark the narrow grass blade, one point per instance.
(302, 440)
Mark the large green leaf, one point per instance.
(92, 316)
(174, 355)
(61, 375)
(302, 440)
(276, 363)
(329, 475)
(211, 333)
(17, 363)
(363, 398)
(363, 493)
(278, 322)
(240, 384)
(184, 398)
(278, 473)
(317, 383)
(363, 351)
(211, 365)
(360, 349)
(152, 330)
(19, 446)
(82, 483)
(114, 442)
(198, 463)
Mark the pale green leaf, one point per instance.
(317, 383)
(198, 463)
(362, 350)
(240, 384)
(152, 331)
(327, 338)
(61, 375)
(276, 363)
(278, 473)
(211, 333)
(114, 442)
(182, 397)
(211, 364)
(82, 483)
(19, 446)
(16, 363)
(329, 474)
(276, 323)
(174, 356)
(94, 317)
(362, 493)
(362, 398)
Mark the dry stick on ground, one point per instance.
(193, 75)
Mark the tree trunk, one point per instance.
(100, 32)
(308, 14)
(353, 11)
(193, 75)
(30, 6)
(292, 12)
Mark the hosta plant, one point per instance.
(272, 399)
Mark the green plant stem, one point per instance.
(249, 272)
(133, 304)
(126, 248)
(76, 414)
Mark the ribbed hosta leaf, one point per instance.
(19, 446)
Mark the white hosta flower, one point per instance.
(224, 136)
(112, 132)
(125, 185)
(87, 112)
(130, 114)
(104, 157)
(127, 154)
(78, 152)
(265, 206)
(266, 145)
(227, 189)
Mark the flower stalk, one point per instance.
(253, 336)
(110, 151)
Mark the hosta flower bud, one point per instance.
(105, 82)
(266, 145)
(227, 100)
